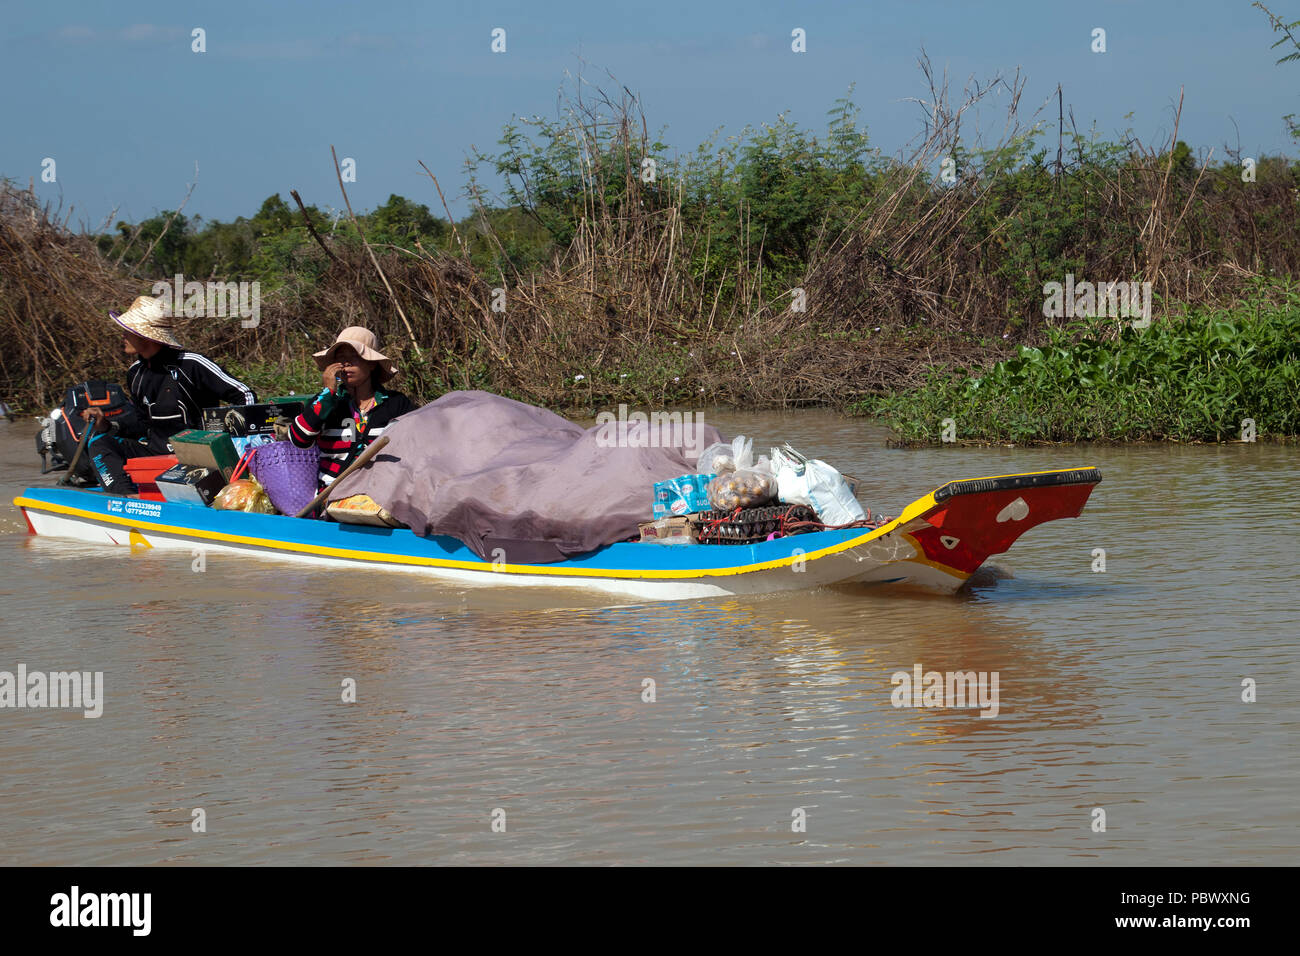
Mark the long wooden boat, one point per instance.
(937, 542)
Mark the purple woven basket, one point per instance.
(288, 473)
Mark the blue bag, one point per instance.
(683, 495)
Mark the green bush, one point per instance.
(1191, 378)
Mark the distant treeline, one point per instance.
(773, 201)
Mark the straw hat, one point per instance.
(366, 345)
(149, 318)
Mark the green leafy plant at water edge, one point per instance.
(1196, 377)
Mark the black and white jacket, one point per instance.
(171, 389)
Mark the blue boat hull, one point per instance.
(910, 548)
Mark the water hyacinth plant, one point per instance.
(1194, 377)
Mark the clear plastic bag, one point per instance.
(742, 489)
(245, 494)
(735, 455)
(716, 460)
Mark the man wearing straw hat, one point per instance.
(169, 389)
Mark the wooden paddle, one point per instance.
(362, 459)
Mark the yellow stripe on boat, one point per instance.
(376, 558)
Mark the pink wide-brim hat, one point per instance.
(366, 345)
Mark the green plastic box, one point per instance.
(205, 450)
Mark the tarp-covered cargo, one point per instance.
(521, 483)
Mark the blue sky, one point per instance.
(113, 92)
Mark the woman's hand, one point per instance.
(330, 372)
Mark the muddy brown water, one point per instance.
(1120, 690)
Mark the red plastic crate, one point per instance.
(144, 471)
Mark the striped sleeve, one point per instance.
(211, 378)
(305, 429)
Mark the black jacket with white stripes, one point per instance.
(171, 389)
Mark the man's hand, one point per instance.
(101, 424)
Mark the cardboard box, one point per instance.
(205, 449)
(186, 483)
(678, 529)
(249, 419)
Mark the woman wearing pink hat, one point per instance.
(352, 410)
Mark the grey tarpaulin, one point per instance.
(499, 474)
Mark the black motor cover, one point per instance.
(69, 427)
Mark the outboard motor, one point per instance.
(67, 426)
(47, 445)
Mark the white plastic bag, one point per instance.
(812, 482)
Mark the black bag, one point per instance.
(69, 427)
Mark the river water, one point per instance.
(1120, 690)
